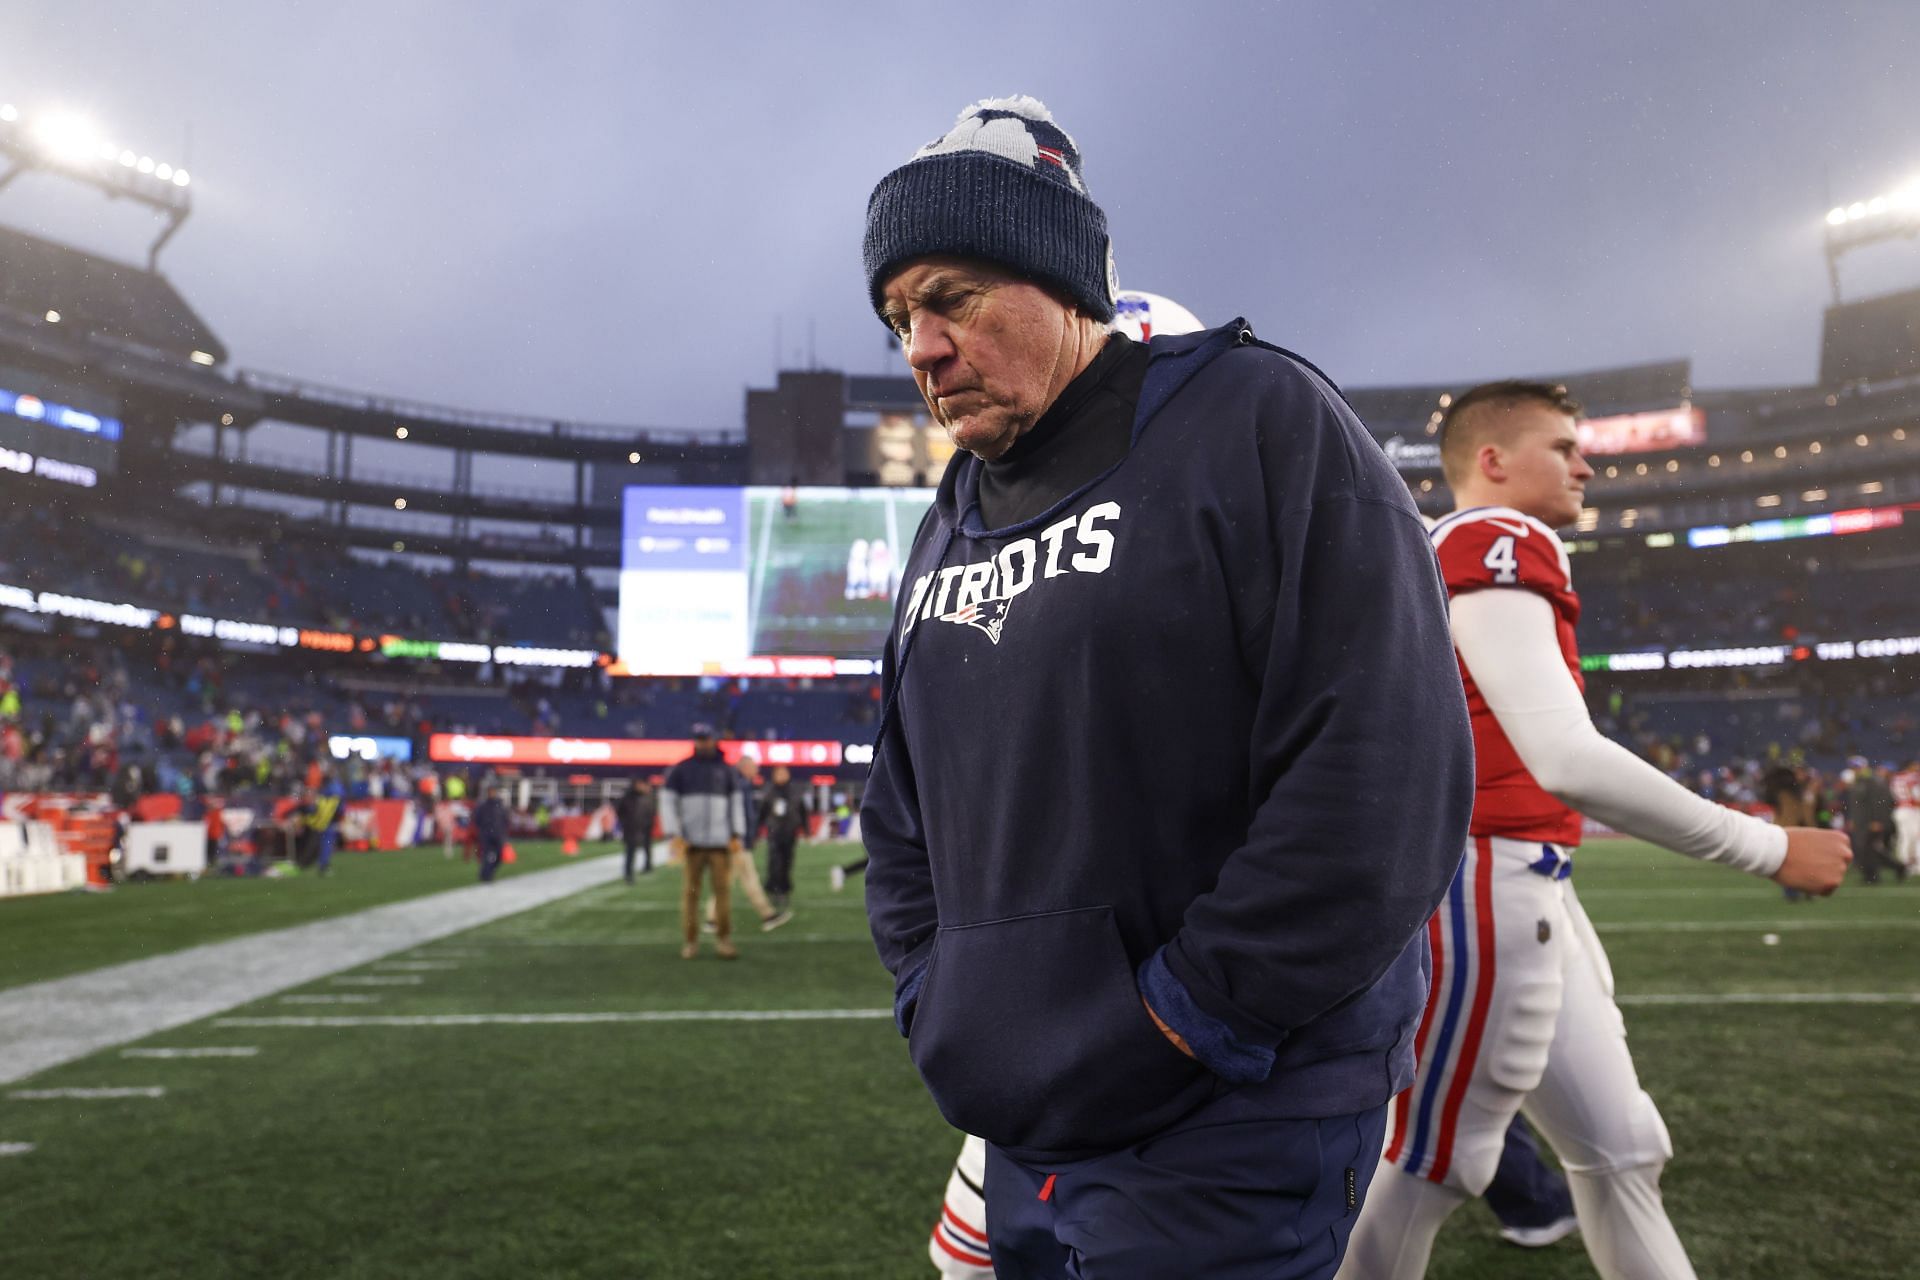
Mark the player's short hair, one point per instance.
(1474, 415)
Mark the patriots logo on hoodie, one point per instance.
(988, 615)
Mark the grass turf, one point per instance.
(52, 935)
(689, 1150)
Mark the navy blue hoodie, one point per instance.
(1194, 736)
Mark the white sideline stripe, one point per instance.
(567, 1019)
(50, 1095)
(376, 982)
(15, 1148)
(329, 999)
(1774, 997)
(236, 1052)
(418, 966)
(63, 1019)
(1735, 926)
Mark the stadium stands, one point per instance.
(1715, 546)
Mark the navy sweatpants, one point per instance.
(1218, 1195)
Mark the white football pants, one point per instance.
(1520, 1017)
(959, 1244)
(1906, 838)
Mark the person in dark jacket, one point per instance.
(704, 813)
(1174, 760)
(1870, 823)
(490, 832)
(636, 811)
(784, 807)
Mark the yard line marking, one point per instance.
(329, 999)
(236, 1052)
(1723, 926)
(664, 939)
(760, 561)
(15, 1148)
(1774, 997)
(567, 1019)
(418, 966)
(49, 1095)
(376, 982)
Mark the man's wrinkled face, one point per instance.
(990, 349)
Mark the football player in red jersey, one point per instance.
(1906, 819)
(1520, 1013)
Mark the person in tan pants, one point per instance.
(744, 871)
(716, 865)
(703, 812)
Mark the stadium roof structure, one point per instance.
(126, 305)
(1628, 389)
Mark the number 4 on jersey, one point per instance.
(1501, 559)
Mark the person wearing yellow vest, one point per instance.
(320, 815)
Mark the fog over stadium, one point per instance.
(631, 213)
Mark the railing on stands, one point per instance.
(560, 494)
(275, 384)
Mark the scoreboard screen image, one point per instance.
(43, 437)
(717, 575)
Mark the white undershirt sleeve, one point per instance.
(1508, 642)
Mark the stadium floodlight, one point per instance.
(66, 138)
(68, 144)
(53, 317)
(1887, 216)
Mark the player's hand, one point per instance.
(734, 845)
(679, 848)
(1816, 860)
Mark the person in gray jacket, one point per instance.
(703, 812)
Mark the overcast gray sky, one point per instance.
(608, 211)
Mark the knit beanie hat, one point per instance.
(1003, 184)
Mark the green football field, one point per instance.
(563, 1096)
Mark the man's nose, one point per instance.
(928, 342)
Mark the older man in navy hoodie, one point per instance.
(1174, 760)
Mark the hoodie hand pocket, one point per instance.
(1030, 1032)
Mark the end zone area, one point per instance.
(559, 1094)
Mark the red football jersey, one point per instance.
(1497, 547)
(1906, 789)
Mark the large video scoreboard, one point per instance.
(712, 577)
(42, 436)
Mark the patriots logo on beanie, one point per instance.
(1019, 128)
(1003, 184)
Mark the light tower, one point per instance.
(1892, 216)
(70, 146)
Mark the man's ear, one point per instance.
(1489, 462)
